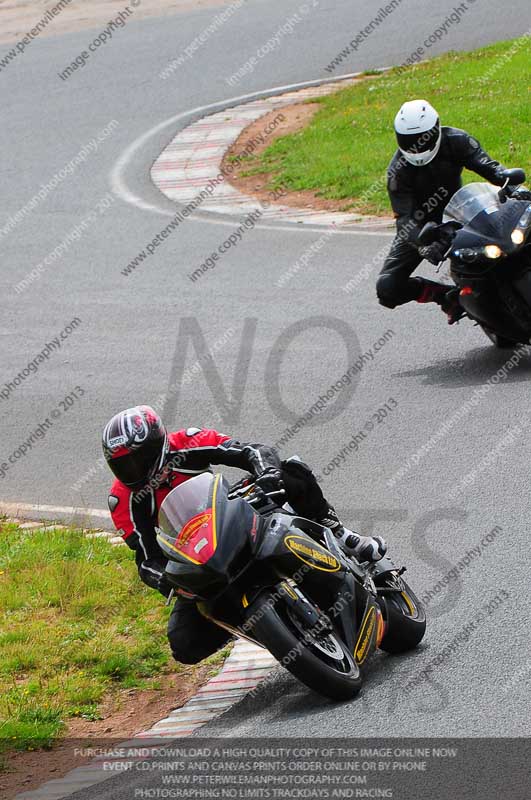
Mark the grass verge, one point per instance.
(344, 152)
(76, 625)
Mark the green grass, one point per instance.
(75, 624)
(344, 151)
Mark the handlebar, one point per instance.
(247, 490)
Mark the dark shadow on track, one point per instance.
(475, 369)
(285, 698)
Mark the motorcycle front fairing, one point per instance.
(497, 292)
(207, 538)
(224, 554)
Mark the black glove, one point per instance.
(434, 253)
(152, 574)
(164, 587)
(518, 192)
(270, 482)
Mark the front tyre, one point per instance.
(405, 619)
(319, 659)
(499, 341)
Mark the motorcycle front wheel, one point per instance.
(405, 619)
(319, 659)
(499, 341)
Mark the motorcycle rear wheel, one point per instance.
(323, 662)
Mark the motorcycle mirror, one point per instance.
(449, 229)
(428, 234)
(515, 176)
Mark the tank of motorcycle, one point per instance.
(208, 538)
(485, 218)
(287, 548)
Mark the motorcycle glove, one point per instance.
(152, 574)
(270, 482)
(518, 193)
(434, 253)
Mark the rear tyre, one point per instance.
(405, 620)
(321, 661)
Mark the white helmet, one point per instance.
(418, 131)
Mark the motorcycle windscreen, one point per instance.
(471, 200)
(478, 207)
(187, 519)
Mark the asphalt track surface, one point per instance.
(124, 351)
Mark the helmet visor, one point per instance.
(419, 142)
(136, 468)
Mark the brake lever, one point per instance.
(259, 498)
(439, 265)
(170, 598)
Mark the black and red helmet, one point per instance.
(135, 443)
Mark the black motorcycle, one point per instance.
(283, 582)
(487, 231)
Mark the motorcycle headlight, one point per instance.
(470, 254)
(493, 251)
(524, 225)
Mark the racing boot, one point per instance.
(364, 548)
(452, 307)
(444, 296)
(431, 291)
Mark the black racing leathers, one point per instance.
(419, 195)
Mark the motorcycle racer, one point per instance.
(423, 175)
(148, 462)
